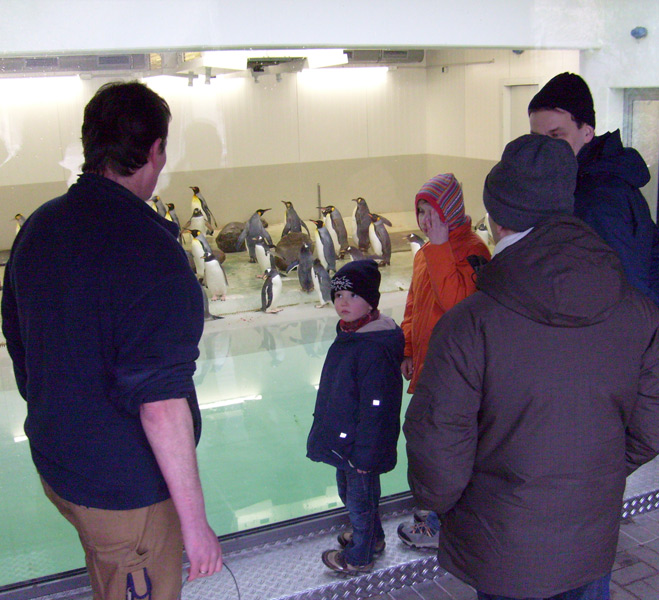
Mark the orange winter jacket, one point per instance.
(441, 277)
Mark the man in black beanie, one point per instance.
(539, 395)
(607, 196)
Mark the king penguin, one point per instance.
(379, 237)
(325, 246)
(215, 278)
(415, 241)
(293, 222)
(271, 291)
(173, 217)
(197, 221)
(20, 220)
(361, 221)
(322, 283)
(252, 231)
(159, 207)
(198, 201)
(334, 222)
(198, 252)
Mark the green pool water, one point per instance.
(256, 386)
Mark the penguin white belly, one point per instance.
(276, 293)
(376, 245)
(261, 257)
(335, 238)
(197, 251)
(316, 284)
(215, 280)
(415, 248)
(320, 253)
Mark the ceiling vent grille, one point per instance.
(385, 57)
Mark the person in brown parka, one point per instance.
(539, 395)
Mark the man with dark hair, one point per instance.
(607, 196)
(539, 394)
(102, 317)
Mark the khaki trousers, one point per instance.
(143, 546)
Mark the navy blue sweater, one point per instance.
(608, 199)
(101, 313)
(357, 415)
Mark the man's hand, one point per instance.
(168, 427)
(407, 368)
(204, 552)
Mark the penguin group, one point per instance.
(313, 252)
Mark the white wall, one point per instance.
(466, 88)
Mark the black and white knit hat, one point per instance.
(361, 277)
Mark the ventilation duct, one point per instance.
(385, 57)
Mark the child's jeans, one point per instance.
(360, 492)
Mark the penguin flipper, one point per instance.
(286, 229)
(386, 221)
(305, 226)
(241, 238)
(266, 237)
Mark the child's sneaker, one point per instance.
(345, 537)
(421, 515)
(418, 535)
(335, 560)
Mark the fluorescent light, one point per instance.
(236, 60)
(20, 438)
(343, 77)
(229, 402)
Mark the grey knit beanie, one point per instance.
(535, 180)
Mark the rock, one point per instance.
(228, 237)
(288, 249)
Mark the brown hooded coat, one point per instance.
(539, 394)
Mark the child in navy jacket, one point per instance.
(357, 416)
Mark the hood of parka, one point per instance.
(560, 274)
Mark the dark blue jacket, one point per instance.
(608, 199)
(101, 313)
(357, 416)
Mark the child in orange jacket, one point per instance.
(443, 275)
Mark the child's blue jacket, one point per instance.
(357, 415)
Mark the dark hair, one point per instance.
(121, 123)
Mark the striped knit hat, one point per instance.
(444, 193)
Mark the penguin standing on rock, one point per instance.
(334, 222)
(293, 222)
(252, 231)
(322, 283)
(379, 238)
(215, 278)
(198, 201)
(415, 241)
(271, 291)
(362, 221)
(325, 246)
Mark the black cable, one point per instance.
(224, 566)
